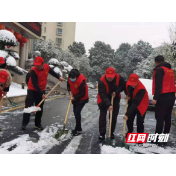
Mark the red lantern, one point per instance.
(22, 41)
(18, 36)
(2, 26)
(11, 30)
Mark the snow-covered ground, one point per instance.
(16, 90)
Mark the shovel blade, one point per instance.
(60, 133)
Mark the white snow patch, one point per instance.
(11, 61)
(21, 69)
(16, 90)
(7, 36)
(3, 54)
(31, 109)
(53, 61)
(111, 150)
(65, 64)
(51, 66)
(68, 68)
(73, 145)
(90, 85)
(27, 145)
(58, 71)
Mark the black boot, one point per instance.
(112, 136)
(76, 133)
(101, 137)
(38, 127)
(23, 127)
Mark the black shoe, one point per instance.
(0, 129)
(76, 133)
(101, 137)
(112, 136)
(38, 127)
(23, 127)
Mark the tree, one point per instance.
(137, 54)
(78, 49)
(48, 50)
(121, 57)
(146, 67)
(101, 57)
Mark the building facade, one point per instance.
(61, 33)
(29, 30)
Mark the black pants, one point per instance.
(163, 117)
(102, 118)
(33, 97)
(77, 108)
(140, 121)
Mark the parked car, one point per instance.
(148, 85)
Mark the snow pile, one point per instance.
(58, 71)
(11, 61)
(25, 145)
(54, 61)
(31, 109)
(7, 36)
(148, 85)
(3, 54)
(65, 64)
(68, 68)
(111, 150)
(16, 90)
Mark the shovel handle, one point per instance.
(124, 125)
(110, 120)
(66, 117)
(49, 93)
(1, 99)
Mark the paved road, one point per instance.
(13, 140)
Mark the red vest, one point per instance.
(74, 86)
(145, 101)
(42, 78)
(168, 81)
(103, 79)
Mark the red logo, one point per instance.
(136, 138)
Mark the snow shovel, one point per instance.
(108, 140)
(124, 127)
(64, 131)
(32, 108)
(11, 102)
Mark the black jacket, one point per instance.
(134, 103)
(34, 79)
(166, 97)
(106, 98)
(27, 77)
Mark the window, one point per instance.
(59, 31)
(60, 23)
(44, 29)
(59, 41)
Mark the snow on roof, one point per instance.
(11, 61)
(7, 37)
(3, 54)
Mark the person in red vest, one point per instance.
(110, 84)
(138, 102)
(36, 90)
(164, 94)
(5, 81)
(3, 65)
(79, 89)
